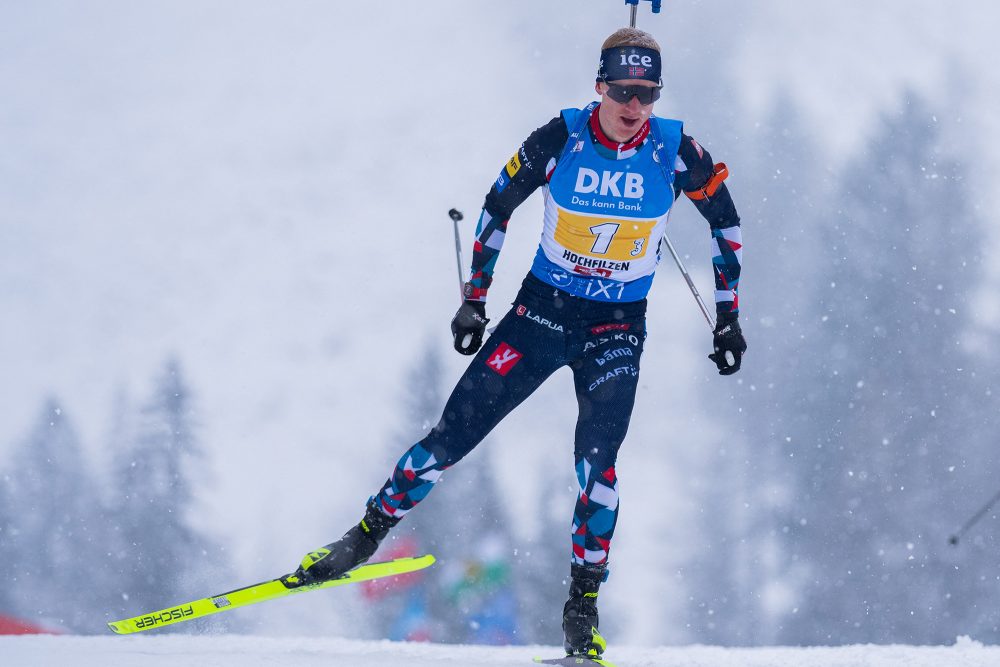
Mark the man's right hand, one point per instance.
(468, 326)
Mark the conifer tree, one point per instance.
(53, 532)
(7, 551)
(893, 288)
(746, 580)
(160, 556)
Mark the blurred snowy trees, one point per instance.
(159, 556)
(80, 547)
(863, 398)
(889, 394)
(54, 536)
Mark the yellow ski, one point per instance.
(266, 590)
(573, 660)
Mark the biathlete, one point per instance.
(610, 173)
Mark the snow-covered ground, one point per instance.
(250, 651)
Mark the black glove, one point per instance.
(468, 326)
(727, 339)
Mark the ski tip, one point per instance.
(117, 628)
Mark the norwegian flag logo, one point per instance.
(504, 359)
(636, 72)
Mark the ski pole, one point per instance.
(456, 216)
(634, 4)
(687, 278)
(730, 358)
(953, 540)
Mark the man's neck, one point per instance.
(611, 143)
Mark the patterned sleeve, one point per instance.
(528, 169)
(702, 181)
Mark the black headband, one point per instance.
(629, 62)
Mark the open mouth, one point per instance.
(631, 123)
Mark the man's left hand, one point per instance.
(727, 339)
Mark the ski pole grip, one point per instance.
(656, 4)
(455, 215)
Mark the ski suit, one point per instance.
(583, 303)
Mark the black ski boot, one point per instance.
(354, 548)
(580, 613)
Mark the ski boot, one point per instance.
(580, 612)
(353, 549)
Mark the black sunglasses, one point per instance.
(624, 94)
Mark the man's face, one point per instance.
(621, 121)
